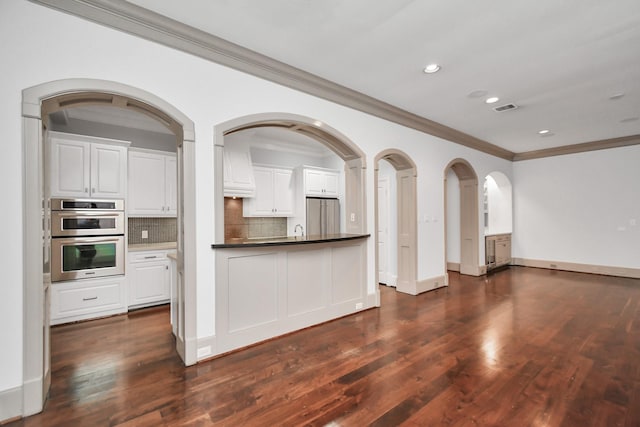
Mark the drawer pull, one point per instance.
(151, 257)
(89, 298)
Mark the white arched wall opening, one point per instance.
(469, 220)
(37, 102)
(406, 173)
(499, 204)
(353, 157)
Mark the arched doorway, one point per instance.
(467, 212)
(406, 245)
(37, 103)
(351, 154)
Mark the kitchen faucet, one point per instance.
(295, 230)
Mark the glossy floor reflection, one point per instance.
(520, 347)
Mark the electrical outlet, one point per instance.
(145, 234)
(353, 217)
(359, 306)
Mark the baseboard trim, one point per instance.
(453, 266)
(11, 404)
(605, 270)
(373, 300)
(431, 283)
(207, 347)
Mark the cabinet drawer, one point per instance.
(86, 299)
(147, 256)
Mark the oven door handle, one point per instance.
(91, 241)
(91, 214)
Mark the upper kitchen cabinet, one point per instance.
(152, 183)
(274, 193)
(238, 171)
(319, 182)
(85, 166)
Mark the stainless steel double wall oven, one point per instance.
(87, 238)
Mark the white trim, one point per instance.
(11, 403)
(431, 284)
(605, 270)
(150, 25)
(453, 266)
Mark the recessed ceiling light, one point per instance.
(543, 131)
(616, 96)
(492, 100)
(431, 68)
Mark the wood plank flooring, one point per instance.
(522, 347)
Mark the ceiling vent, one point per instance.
(505, 107)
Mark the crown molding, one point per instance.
(603, 144)
(141, 22)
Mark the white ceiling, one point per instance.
(559, 61)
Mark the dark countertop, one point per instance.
(289, 240)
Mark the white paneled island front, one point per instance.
(270, 287)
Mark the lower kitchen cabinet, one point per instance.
(498, 250)
(148, 278)
(87, 299)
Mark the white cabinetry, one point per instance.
(152, 183)
(498, 250)
(320, 182)
(238, 171)
(86, 166)
(87, 299)
(274, 193)
(148, 278)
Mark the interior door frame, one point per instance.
(470, 228)
(407, 244)
(35, 277)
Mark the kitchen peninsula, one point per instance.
(272, 286)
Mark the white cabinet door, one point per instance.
(146, 183)
(148, 283)
(274, 193)
(85, 166)
(320, 183)
(108, 171)
(330, 184)
(314, 182)
(152, 184)
(283, 192)
(171, 185)
(70, 164)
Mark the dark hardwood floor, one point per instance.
(522, 347)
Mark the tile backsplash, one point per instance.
(238, 227)
(159, 230)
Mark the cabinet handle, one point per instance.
(151, 257)
(89, 298)
(86, 189)
(93, 190)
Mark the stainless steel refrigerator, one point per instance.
(323, 216)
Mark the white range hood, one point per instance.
(238, 171)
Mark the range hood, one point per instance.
(238, 171)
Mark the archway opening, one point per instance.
(396, 221)
(348, 154)
(498, 205)
(51, 100)
(462, 228)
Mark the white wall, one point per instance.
(208, 94)
(579, 208)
